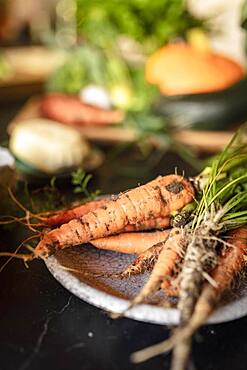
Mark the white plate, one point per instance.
(113, 294)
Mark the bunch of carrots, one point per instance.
(191, 234)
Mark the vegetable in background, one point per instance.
(104, 32)
(99, 60)
(181, 68)
(71, 111)
(211, 111)
(48, 146)
(151, 23)
(88, 65)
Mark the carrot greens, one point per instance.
(220, 205)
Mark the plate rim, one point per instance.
(144, 312)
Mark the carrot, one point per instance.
(66, 215)
(156, 199)
(200, 257)
(145, 261)
(170, 254)
(170, 286)
(130, 242)
(150, 224)
(229, 265)
(70, 110)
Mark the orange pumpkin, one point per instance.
(181, 69)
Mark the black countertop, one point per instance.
(43, 326)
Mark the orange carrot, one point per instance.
(150, 224)
(66, 215)
(145, 261)
(156, 199)
(130, 242)
(170, 254)
(170, 286)
(70, 110)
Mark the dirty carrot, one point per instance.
(171, 253)
(130, 242)
(158, 223)
(157, 198)
(64, 216)
(230, 264)
(145, 261)
(170, 286)
(200, 257)
(59, 218)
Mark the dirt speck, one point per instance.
(175, 187)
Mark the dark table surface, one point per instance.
(43, 326)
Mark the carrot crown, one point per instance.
(225, 191)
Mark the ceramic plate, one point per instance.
(81, 270)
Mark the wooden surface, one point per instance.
(204, 141)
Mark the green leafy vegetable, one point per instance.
(225, 192)
(152, 23)
(80, 180)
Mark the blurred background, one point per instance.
(95, 98)
(78, 77)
